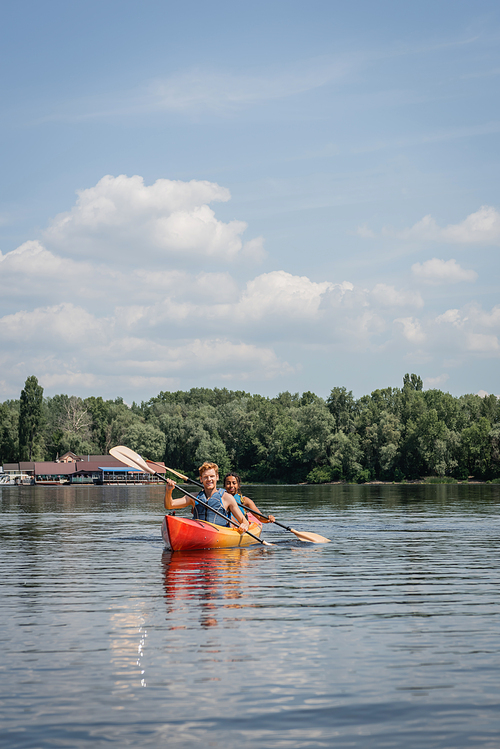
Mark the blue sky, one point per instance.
(265, 196)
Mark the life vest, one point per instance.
(247, 512)
(200, 512)
(240, 505)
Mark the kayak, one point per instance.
(181, 534)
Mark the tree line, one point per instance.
(393, 434)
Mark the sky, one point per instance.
(260, 196)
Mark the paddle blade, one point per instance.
(313, 538)
(130, 458)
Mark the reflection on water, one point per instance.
(211, 580)
(385, 637)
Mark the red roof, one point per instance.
(86, 465)
(103, 460)
(51, 468)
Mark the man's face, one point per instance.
(209, 479)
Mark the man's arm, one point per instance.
(230, 503)
(175, 504)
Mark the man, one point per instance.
(216, 499)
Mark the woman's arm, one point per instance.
(230, 503)
(175, 504)
(252, 506)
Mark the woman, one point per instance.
(232, 485)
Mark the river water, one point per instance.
(388, 636)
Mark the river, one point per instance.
(386, 637)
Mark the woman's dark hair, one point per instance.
(234, 475)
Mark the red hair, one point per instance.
(208, 467)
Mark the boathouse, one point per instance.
(77, 469)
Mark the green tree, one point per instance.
(212, 448)
(146, 439)
(490, 408)
(68, 426)
(476, 447)
(236, 427)
(9, 432)
(316, 433)
(412, 382)
(438, 445)
(120, 420)
(495, 451)
(342, 406)
(100, 413)
(380, 444)
(389, 434)
(30, 418)
(284, 456)
(345, 456)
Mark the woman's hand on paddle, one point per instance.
(270, 519)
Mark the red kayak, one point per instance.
(181, 534)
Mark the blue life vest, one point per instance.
(200, 512)
(240, 505)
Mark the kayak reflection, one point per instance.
(212, 577)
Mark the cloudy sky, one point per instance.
(263, 196)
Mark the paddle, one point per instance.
(134, 460)
(313, 538)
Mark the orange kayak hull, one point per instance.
(182, 534)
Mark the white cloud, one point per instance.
(122, 219)
(467, 331)
(451, 316)
(442, 272)
(482, 343)
(481, 227)
(360, 328)
(436, 382)
(388, 296)
(70, 347)
(426, 229)
(411, 329)
(31, 258)
(271, 302)
(343, 295)
(80, 317)
(472, 315)
(365, 232)
(204, 90)
(227, 358)
(253, 250)
(199, 89)
(275, 306)
(59, 324)
(486, 319)
(33, 276)
(67, 380)
(280, 294)
(37, 266)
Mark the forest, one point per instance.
(393, 434)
